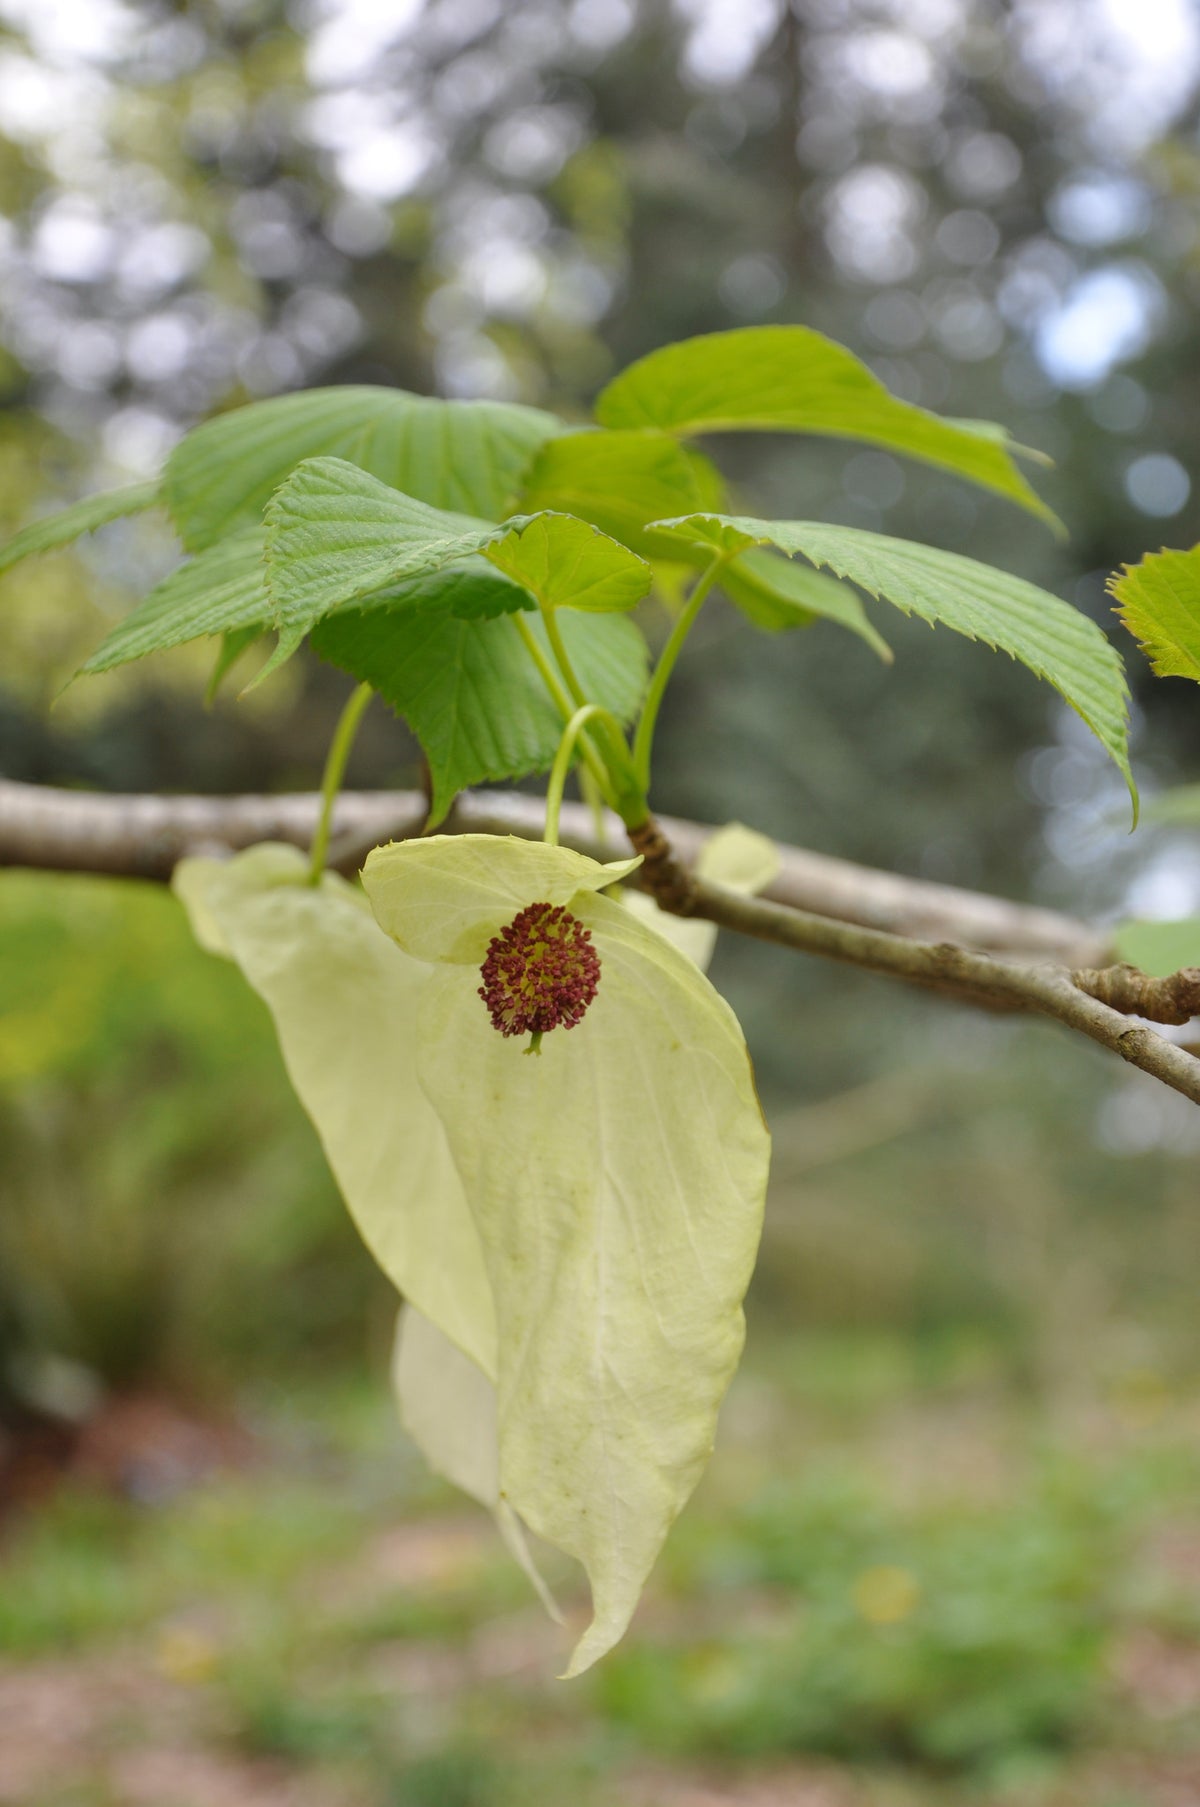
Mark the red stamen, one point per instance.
(541, 972)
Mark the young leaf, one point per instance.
(55, 530)
(222, 591)
(791, 379)
(1160, 948)
(775, 594)
(619, 481)
(468, 690)
(334, 533)
(1044, 633)
(464, 456)
(1160, 605)
(343, 998)
(566, 563)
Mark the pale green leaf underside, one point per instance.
(617, 1183)
(776, 594)
(334, 534)
(465, 456)
(223, 591)
(1160, 605)
(56, 530)
(344, 998)
(1160, 948)
(791, 379)
(1044, 633)
(469, 691)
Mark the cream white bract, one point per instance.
(617, 1184)
(345, 1002)
(578, 1228)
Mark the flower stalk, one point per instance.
(335, 771)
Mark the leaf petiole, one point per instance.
(335, 771)
(643, 740)
(629, 799)
(555, 685)
(562, 763)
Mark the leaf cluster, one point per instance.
(411, 538)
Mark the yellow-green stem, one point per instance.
(562, 765)
(627, 795)
(643, 740)
(335, 771)
(562, 703)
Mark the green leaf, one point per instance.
(1160, 605)
(619, 481)
(617, 1184)
(465, 456)
(469, 691)
(791, 379)
(775, 594)
(565, 563)
(334, 533)
(222, 591)
(471, 588)
(233, 645)
(1046, 634)
(1160, 948)
(60, 529)
(341, 995)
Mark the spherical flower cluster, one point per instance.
(541, 972)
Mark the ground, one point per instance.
(893, 1590)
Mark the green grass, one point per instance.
(950, 1639)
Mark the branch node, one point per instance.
(1175, 999)
(670, 884)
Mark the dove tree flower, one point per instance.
(614, 1183)
(541, 1114)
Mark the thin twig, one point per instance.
(968, 975)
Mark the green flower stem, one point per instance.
(335, 770)
(628, 799)
(549, 676)
(643, 740)
(562, 764)
(562, 701)
(558, 647)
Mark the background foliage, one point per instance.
(997, 206)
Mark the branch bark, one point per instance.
(144, 837)
(862, 918)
